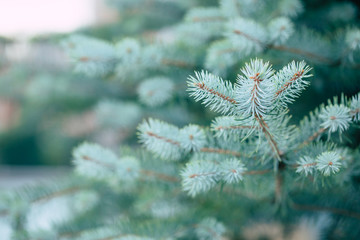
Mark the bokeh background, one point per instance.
(38, 116)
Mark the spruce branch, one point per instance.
(280, 30)
(296, 51)
(306, 165)
(168, 140)
(92, 56)
(316, 135)
(245, 34)
(57, 194)
(254, 90)
(284, 48)
(291, 80)
(238, 32)
(232, 170)
(327, 163)
(296, 76)
(335, 118)
(158, 137)
(212, 91)
(199, 176)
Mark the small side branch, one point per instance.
(87, 158)
(295, 77)
(159, 176)
(60, 193)
(238, 32)
(214, 92)
(202, 174)
(302, 53)
(235, 127)
(296, 51)
(151, 134)
(304, 165)
(312, 138)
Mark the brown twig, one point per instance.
(221, 151)
(302, 53)
(269, 137)
(235, 127)
(311, 138)
(211, 150)
(296, 76)
(238, 32)
(337, 211)
(214, 92)
(173, 142)
(257, 172)
(161, 176)
(296, 51)
(57, 194)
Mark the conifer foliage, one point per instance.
(249, 171)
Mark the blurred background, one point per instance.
(34, 119)
(39, 120)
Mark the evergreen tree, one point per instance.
(248, 170)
